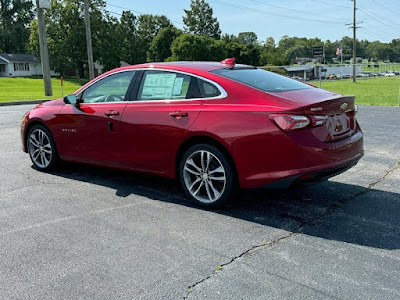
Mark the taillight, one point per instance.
(353, 112)
(318, 120)
(290, 122)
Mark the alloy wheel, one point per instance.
(204, 176)
(40, 148)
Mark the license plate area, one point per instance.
(338, 127)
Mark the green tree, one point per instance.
(66, 36)
(227, 38)
(199, 20)
(250, 55)
(15, 17)
(127, 31)
(160, 46)
(248, 37)
(148, 27)
(192, 47)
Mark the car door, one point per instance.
(91, 132)
(153, 125)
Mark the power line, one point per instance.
(370, 14)
(295, 10)
(371, 33)
(271, 13)
(136, 11)
(391, 10)
(380, 30)
(326, 3)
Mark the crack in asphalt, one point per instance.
(330, 209)
(252, 249)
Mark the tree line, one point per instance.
(148, 38)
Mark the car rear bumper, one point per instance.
(312, 176)
(306, 163)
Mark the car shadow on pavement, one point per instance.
(335, 211)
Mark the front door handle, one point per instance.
(178, 114)
(111, 113)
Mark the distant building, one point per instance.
(310, 72)
(20, 65)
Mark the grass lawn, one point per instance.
(31, 88)
(370, 90)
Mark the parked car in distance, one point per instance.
(332, 77)
(215, 127)
(390, 74)
(346, 76)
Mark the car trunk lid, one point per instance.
(335, 112)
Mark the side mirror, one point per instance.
(71, 99)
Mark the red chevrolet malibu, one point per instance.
(213, 126)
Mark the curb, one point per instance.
(22, 102)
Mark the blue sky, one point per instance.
(325, 19)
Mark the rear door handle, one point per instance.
(112, 113)
(178, 114)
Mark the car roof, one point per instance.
(205, 66)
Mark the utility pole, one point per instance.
(44, 52)
(354, 41)
(89, 41)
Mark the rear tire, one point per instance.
(42, 148)
(206, 175)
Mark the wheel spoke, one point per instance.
(215, 191)
(192, 171)
(218, 178)
(35, 155)
(209, 158)
(194, 182)
(47, 148)
(33, 141)
(198, 189)
(202, 160)
(45, 160)
(208, 191)
(220, 169)
(192, 163)
(41, 137)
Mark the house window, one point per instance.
(2, 68)
(21, 66)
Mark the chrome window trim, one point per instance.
(223, 95)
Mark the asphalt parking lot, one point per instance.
(90, 233)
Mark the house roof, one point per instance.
(18, 57)
(2, 61)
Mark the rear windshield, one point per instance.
(262, 80)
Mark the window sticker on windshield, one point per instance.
(177, 91)
(158, 86)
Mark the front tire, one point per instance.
(207, 176)
(42, 148)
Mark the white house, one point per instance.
(18, 65)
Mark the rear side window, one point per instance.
(160, 85)
(262, 80)
(208, 90)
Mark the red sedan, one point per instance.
(213, 126)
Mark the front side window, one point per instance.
(2, 68)
(112, 88)
(161, 85)
(262, 80)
